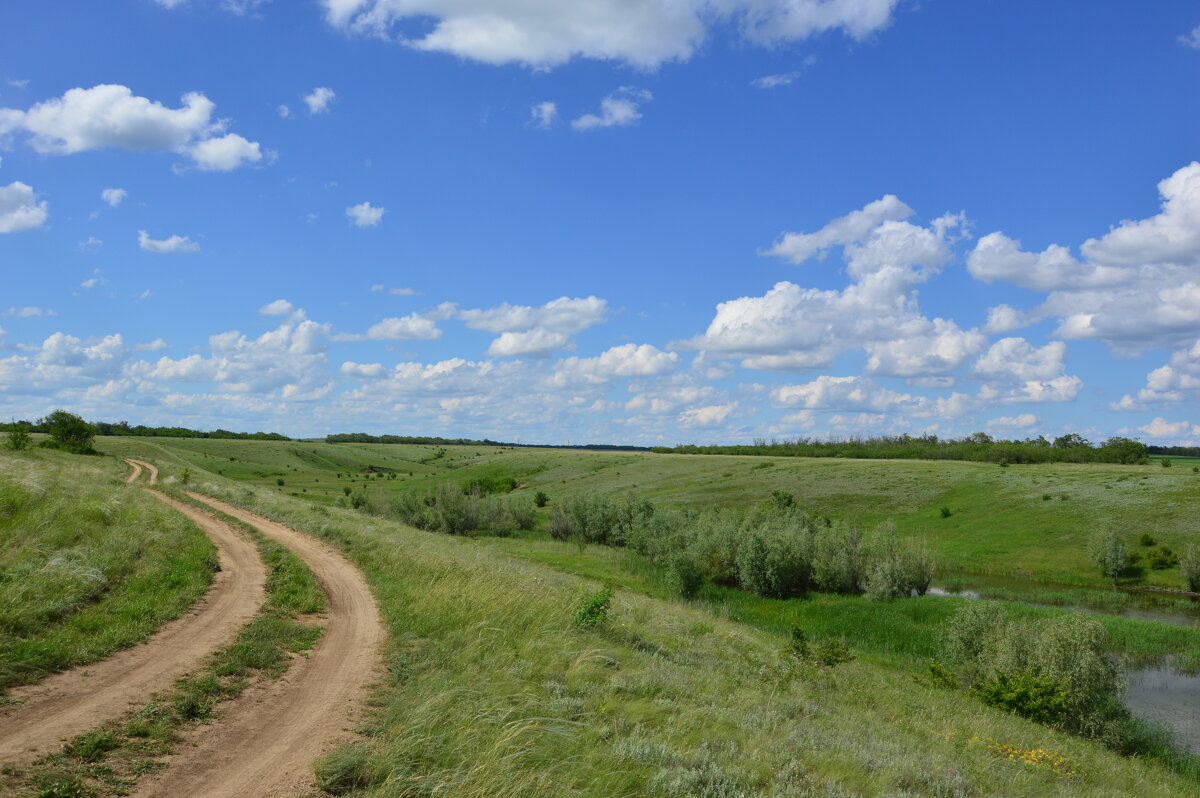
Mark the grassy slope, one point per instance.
(87, 565)
(1001, 520)
(491, 692)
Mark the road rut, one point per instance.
(267, 739)
(82, 698)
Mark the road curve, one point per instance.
(139, 465)
(268, 738)
(78, 700)
(135, 473)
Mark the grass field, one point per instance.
(87, 566)
(1027, 521)
(490, 690)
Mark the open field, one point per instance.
(1029, 520)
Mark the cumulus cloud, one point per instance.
(565, 314)
(64, 361)
(627, 360)
(543, 114)
(113, 196)
(538, 342)
(1181, 433)
(20, 209)
(792, 327)
(1192, 39)
(1135, 287)
(365, 215)
(617, 109)
(1175, 381)
(1005, 318)
(1016, 360)
(545, 33)
(708, 416)
(29, 312)
(854, 226)
(280, 307)
(1022, 422)
(412, 327)
(318, 99)
(111, 115)
(166, 246)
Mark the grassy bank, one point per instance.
(87, 565)
(492, 691)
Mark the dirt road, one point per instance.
(78, 700)
(138, 465)
(267, 739)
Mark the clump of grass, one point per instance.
(593, 610)
(80, 552)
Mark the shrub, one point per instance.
(771, 562)
(945, 511)
(1038, 698)
(685, 576)
(1146, 539)
(523, 513)
(279, 481)
(560, 523)
(1166, 462)
(1109, 553)
(68, 432)
(782, 500)
(593, 610)
(897, 569)
(835, 560)
(798, 645)
(1189, 568)
(1161, 558)
(17, 438)
(831, 651)
(346, 489)
(541, 499)
(359, 500)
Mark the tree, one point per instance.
(1071, 441)
(17, 437)
(68, 432)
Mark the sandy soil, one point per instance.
(266, 740)
(78, 700)
(138, 465)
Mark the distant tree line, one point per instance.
(123, 428)
(1176, 451)
(425, 440)
(979, 447)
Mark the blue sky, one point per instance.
(652, 222)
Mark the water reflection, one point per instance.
(1168, 699)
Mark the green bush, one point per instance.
(541, 499)
(1189, 568)
(1146, 539)
(17, 437)
(1038, 698)
(1161, 558)
(945, 511)
(1109, 553)
(68, 432)
(771, 562)
(685, 576)
(593, 610)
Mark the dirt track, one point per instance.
(78, 700)
(266, 741)
(138, 465)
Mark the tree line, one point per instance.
(979, 447)
(123, 428)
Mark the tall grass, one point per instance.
(87, 565)
(492, 691)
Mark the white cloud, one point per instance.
(617, 109)
(64, 361)
(543, 114)
(627, 360)
(92, 282)
(1136, 287)
(110, 115)
(365, 215)
(1192, 39)
(773, 81)
(19, 207)
(564, 314)
(224, 153)
(29, 312)
(792, 327)
(1016, 360)
(284, 112)
(1022, 422)
(167, 246)
(363, 370)
(1004, 318)
(545, 33)
(279, 307)
(1176, 381)
(538, 342)
(318, 99)
(91, 243)
(709, 416)
(157, 345)
(113, 196)
(412, 327)
(1161, 428)
(799, 247)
